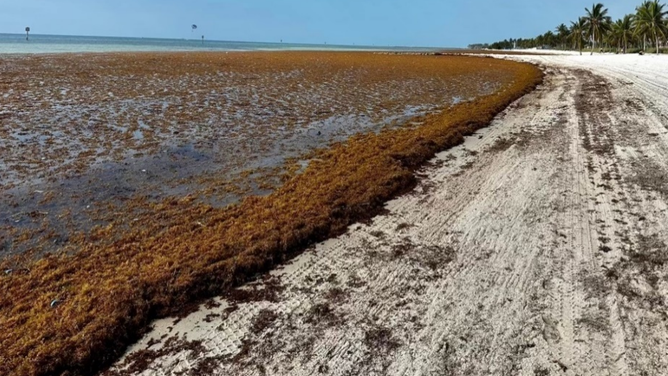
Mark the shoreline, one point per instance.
(122, 133)
(315, 50)
(535, 247)
(238, 242)
(129, 45)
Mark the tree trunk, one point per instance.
(644, 43)
(657, 43)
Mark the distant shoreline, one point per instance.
(49, 44)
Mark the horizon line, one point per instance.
(233, 41)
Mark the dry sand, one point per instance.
(536, 248)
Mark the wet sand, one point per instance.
(87, 140)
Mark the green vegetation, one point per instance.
(577, 32)
(595, 31)
(622, 32)
(598, 24)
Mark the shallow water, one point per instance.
(171, 172)
(38, 43)
(82, 139)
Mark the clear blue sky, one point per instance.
(438, 23)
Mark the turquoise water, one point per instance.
(16, 43)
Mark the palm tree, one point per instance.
(577, 32)
(639, 30)
(562, 34)
(614, 37)
(651, 21)
(550, 39)
(622, 32)
(27, 33)
(598, 22)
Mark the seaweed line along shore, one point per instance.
(136, 185)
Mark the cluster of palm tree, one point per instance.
(596, 30)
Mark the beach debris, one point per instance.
(124, 113)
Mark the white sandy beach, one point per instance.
(537, 247)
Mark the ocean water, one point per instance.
(17, 44)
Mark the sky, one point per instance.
(423, 23)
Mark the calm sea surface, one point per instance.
(16, 43)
